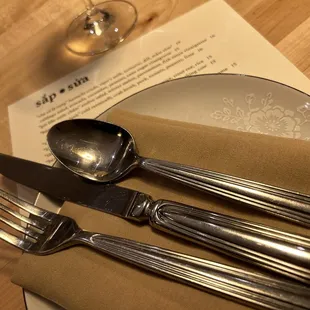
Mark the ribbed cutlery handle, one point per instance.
(277, 201)
(283, 252)
(254, 289)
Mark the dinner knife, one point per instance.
(267, 247)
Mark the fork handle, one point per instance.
(246, 287)
(277, 201)
(283, 252)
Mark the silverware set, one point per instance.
(103, 152)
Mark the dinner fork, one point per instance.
(48, 232)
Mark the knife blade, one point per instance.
(64, 185)
(282, 252)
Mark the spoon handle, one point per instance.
(280, 202)
(282, 252)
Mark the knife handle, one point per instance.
(282, 252)
(280, 202)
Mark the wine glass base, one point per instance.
(106, 25)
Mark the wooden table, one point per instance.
(32, 56)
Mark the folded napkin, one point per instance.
(80, 278)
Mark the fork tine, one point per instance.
(24, 245)
(25, 205)
(19, 228)
(23, 218)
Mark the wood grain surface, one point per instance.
(32, 55)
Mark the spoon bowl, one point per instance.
(95, 150)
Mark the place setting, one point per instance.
(165, 183)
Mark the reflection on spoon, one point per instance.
(95, 150)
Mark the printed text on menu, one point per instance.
(170, 62)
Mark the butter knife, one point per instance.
(282, 252)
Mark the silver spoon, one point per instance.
(105, 152)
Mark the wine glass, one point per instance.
(101, 27)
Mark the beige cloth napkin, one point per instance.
(80, 278)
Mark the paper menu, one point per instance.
(211, 38)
